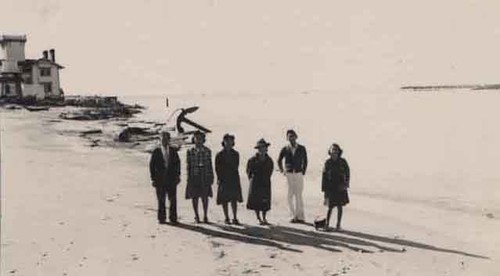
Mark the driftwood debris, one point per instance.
(90, 131)
(85, 115)
(99, 113)
(36, 108)
(32, 102)
(12, 107)
(98, 108)
(94, 143)
(135, 134)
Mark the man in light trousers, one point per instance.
(295, 157)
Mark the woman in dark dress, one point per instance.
(259, 171)
(335, 183)
(200, 175)
(227, 162)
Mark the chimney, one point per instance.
(45, 54)
(52, 55)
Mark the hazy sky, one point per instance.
(155, 46)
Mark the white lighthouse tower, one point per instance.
(11, 53)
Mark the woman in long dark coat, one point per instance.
(259, 171)
(227, 162)
(200, 175)
(334, 184)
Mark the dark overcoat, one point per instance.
(335, 182)
(259, 173)
(226, 167)
(160, 175)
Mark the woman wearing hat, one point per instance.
(259, 171)
(227, 162)
(335, 183)
(200, 175)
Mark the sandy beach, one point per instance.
(71, 209)
(408, 89)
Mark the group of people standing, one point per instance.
(165, 175)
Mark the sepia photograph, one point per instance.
(230, 137)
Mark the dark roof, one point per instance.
(12, 38)
(30, 62)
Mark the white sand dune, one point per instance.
(420, 205)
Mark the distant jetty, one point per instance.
(449, 87)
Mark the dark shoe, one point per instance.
(227, 221)
(174, 222)
(294, 220)
(300, 221)
(205, 220)
(197, 220)
(327, 229)
(236, 222)
(162, 222)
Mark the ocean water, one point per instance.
(440, 147)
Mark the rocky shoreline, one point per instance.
(103, 121)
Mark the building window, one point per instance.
(27, 74)
(44, 72)
(47, 87)
(28, 78)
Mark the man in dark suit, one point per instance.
(165, 171)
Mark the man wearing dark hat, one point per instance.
(165, 172)
(295, 157)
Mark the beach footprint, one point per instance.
(272, 253)
(218, 249)
(43, 258)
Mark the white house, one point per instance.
(21, 77)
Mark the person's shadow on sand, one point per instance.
(294, 236)
(284, 237)
(231, 236)
(408, 243)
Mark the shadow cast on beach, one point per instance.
(294, 236)
(408, 243)
(250, 239)
(285, 237)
